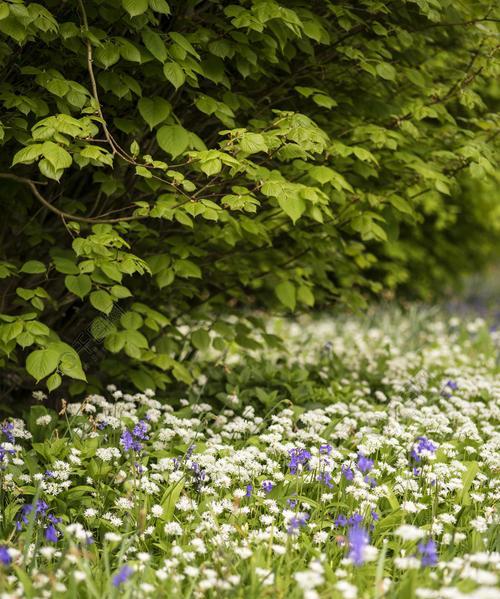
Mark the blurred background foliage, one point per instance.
(173, 171)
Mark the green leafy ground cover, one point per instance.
(361, 464)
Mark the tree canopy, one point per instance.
(170, 168)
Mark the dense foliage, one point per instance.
(170, 163)
(378, 480)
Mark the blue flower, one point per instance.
(267, 486)
(249, 491)
(347, 472)
(128, 442)
(340, 521)
(298, 457)
(51, 533)
(140, 430)
(122, 576)
(7, 428)
(358, 539)
(364, 464)
(424, 444)
(297, 522)
(326, 478)
(5, 557)
(355, 519)
(428, 552)
(325, 449)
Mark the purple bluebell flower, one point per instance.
(4, 452)
(267, 486)
(54, 519)
(128, 442)
(340, 520)
(249, 489)
(325, 449)
(5, 557)
(428, 552)
(355, 519)
(7, 428)
(297, 522)
(25, 512)
(424, 444)
(122, 575)
(198, 475)
(364, 464)
(358, 539)
(140, 430)
(452, 385)
(298, 457)
(292, 503)
(190, 451)
(41, 507)
(369, 480)
(347, 472)
(326, 478)
(51, 533)
(374, 515)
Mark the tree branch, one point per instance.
(65, 215)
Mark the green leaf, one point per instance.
(293, 205)
(135, 7)
(186, 268)
(108, 54)
(155, 44)
(79, 285)
(386, 71)
(33, 267)
(173, 139)
(154, 110)
(286, 293)
(102, 301)
(28, 154)
(41, 363)
(71, 366)
(200, 339)
(401, 204)
(251, 143)
(170, 498)
(4, 10)
(58, 157)
(178, 38)
(114, 342)
(467, 479)
(65, 265)
(211, 167)
(53, 381)
(131, 320)
(160, 6)
(174, 73)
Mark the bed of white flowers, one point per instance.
(383, 482)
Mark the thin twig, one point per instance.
(65, 215)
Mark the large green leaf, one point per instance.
(42, 362)
(154, 110)
(173, 139)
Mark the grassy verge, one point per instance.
(362, 464)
